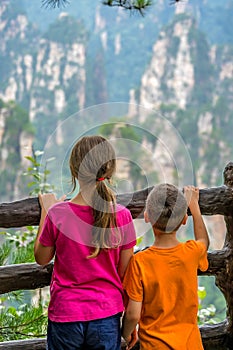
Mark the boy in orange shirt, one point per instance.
(161, 281)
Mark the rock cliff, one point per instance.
(45, 73)
(189, 82)
(166, 61)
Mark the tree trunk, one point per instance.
(224, 280)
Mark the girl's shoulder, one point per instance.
(123, 215)
(59, 206)
(122, 210)
(56, 209)
(67, 205)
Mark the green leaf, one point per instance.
(33, 183)
(36, 176)
(30, 158)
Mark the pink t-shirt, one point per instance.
(83, 289)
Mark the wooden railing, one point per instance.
(215, 200)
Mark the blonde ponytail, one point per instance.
(104, 212)
(93, 162)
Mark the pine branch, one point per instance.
(31, 335)
(26, 323)
(138, 5)
(54, 3)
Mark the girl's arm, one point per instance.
(125, 257)
(43, 255)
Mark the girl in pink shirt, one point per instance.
(92, 239)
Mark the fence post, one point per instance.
(224, 281)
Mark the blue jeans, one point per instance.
(102, 334)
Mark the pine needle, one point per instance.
(54, 3)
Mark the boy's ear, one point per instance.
(185, 219)
(146, 217)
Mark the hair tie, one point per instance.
(101, 179)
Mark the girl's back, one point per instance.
(81, 288)
(92, 240)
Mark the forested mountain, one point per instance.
(175, 59)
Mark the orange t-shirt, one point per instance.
(165, 281)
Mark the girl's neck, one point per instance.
(166, 240)
(84, 196)
(78, 199)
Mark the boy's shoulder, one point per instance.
(141, 254)
(193, 244)
(188, 245)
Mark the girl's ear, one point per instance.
(185, 219)
(146, 217)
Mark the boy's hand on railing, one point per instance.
(191, 194)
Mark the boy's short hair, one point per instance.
(166, 207)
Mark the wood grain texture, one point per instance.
(26, 212)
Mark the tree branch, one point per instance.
(213, 337)
(138, 5)
(33, 276)
(24, 276)
(26, 212)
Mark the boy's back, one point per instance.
(161, 282)
(165, 281)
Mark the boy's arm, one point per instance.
(192, 196)
(130, 320)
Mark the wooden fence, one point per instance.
(215, 200)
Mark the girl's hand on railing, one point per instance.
(47, 200)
